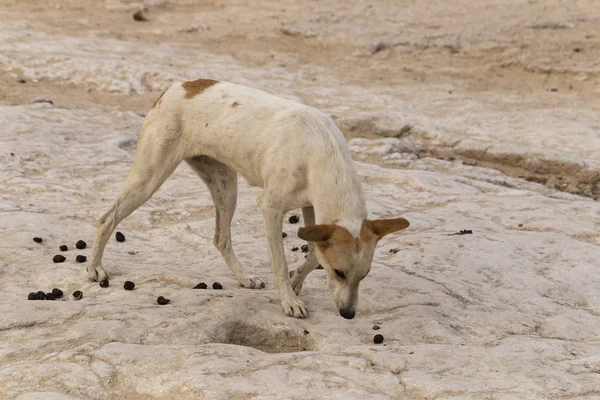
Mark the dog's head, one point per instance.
(347, 258)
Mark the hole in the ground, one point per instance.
(270, 341)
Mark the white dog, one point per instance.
(294, 152)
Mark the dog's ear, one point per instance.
(382, 227)
(316, 233)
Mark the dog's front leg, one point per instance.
(273, 217)
(298, 275)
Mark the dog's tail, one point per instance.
(163, 98)
(159, 99)
(163, 102)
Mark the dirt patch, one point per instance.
(270, 341)
(563, 176)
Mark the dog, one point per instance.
(294, 152)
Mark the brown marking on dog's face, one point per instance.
(347, 259)
(194, 88)
(157, 101)
(235, 104)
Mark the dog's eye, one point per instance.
(340, 274)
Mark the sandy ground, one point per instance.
(461, 115)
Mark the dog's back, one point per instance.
(253, 132)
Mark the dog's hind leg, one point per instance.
(154, 161)
(222, 183)
(299, 274)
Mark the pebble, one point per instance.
(81, 259)
(104, 283)
(217, 286)
(81, 244)
(294, 219)
(57, 293)
(37, 239)
(162, 301)
(304, 248)
(41, 295)
(58, 258)
(120, 237)
(50, 296)
(139, 16)
(201, 285)
(378, 339)
(128, 285)
(32, 296)
(380, 47)
(295, 248)
(375, 327)
(78, 295)
(64, 248)
(283, 234)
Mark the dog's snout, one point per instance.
(347, 313)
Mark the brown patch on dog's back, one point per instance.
(157, 101)
(194, 88)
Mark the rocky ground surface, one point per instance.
(461, 115)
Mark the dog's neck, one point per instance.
(338, 197)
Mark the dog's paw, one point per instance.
(252, 282)
(99, 274)
(294, 308)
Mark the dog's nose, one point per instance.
(347, 313)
